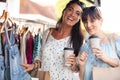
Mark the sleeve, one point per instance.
(44, 36)
(84, 47)
(117, 46)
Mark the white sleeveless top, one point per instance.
(52, 58)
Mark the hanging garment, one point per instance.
(29, 48)
(1, 61)
(37, 46)
(13, 70)
(23, 47)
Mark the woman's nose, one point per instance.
(73, 14)
(89, 24)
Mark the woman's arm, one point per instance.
(81, 72)
(101, 55)
(29, 67)
(82, 61)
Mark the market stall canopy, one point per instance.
(31, 7)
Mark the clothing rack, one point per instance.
(35, 22)
(39, 19)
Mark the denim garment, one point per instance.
(1, 68)
(16, 71)
(1, 52)
(1, 62)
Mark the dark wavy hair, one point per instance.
(76, 32)
(93, 12)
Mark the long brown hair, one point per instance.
(76, 32)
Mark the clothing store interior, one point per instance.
(22, 22)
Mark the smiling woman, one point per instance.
(103, 56)
(67, 33)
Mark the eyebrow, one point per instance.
(73, 9)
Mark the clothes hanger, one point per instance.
(23, 30)
(2, 18)
(8, 21)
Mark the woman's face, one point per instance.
(93, 27)
(72, 14)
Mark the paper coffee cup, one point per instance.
(67, 53)
(94, 41)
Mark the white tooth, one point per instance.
(70, 18)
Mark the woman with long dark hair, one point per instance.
(67, 33)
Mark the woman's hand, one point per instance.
(28, 67)
(72, 60)
(101, 55)
(82, 58)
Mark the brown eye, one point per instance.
(78, 14)
(70, 9)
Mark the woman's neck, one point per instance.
(101, 34)
(64, 30)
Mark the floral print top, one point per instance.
(52, 57)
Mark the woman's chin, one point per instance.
(91, 33)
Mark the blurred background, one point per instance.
(39, 15)
(49, 11)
